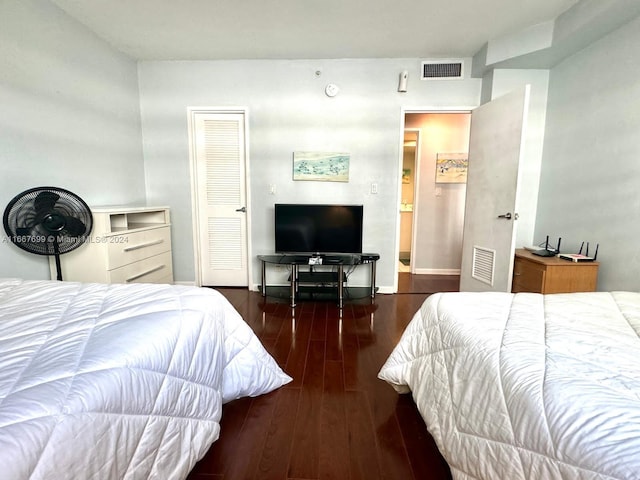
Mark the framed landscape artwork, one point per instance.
(321, 166)
(451, 167)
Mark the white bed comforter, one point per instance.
(119, 381)
(527, 386)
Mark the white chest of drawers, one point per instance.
(127, 245)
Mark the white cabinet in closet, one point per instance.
(127, 245)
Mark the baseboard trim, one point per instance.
(386, 290)
(186, 284)
(437, 271)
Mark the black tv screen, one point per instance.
(318, 228)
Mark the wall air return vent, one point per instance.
(483, 266)
(442, 70)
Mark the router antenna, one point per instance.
(596, 254)
(587, 252)
(580, 252)
(546, 243)
(558, 247)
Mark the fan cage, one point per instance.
(24, 224)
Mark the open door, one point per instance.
(495, 152)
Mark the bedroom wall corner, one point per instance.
(70, 116)
(590, 172)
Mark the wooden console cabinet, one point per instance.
(532, 273)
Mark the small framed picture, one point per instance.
(452, 167)
(321, 166)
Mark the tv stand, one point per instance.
(319, 276)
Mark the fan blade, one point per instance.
(45, 201)
(74, 227)
(23, 231)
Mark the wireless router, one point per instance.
(579, 257)
(547, 251)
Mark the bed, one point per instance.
(526, 386)
(119, 381)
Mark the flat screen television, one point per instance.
(310, 229)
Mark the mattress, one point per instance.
(527, 386)
(119, 381)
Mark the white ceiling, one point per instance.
(306, 29)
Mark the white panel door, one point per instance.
(495, 152)
(220, 198)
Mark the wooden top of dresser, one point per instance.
(554, 261)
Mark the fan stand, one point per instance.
(56, 254)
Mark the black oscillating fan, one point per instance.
(48, 221)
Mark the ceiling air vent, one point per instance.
(442, 70)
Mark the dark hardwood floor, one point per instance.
(408, 283)
(335, 420)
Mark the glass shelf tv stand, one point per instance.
(319, 280)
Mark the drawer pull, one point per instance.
(143, 245)
(154, 269)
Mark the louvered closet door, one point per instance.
(220, 172)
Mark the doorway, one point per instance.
(219, 195)
(436, 210)
(410, 169)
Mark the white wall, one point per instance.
(591, 164)
(69, 116)
(289, 111)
